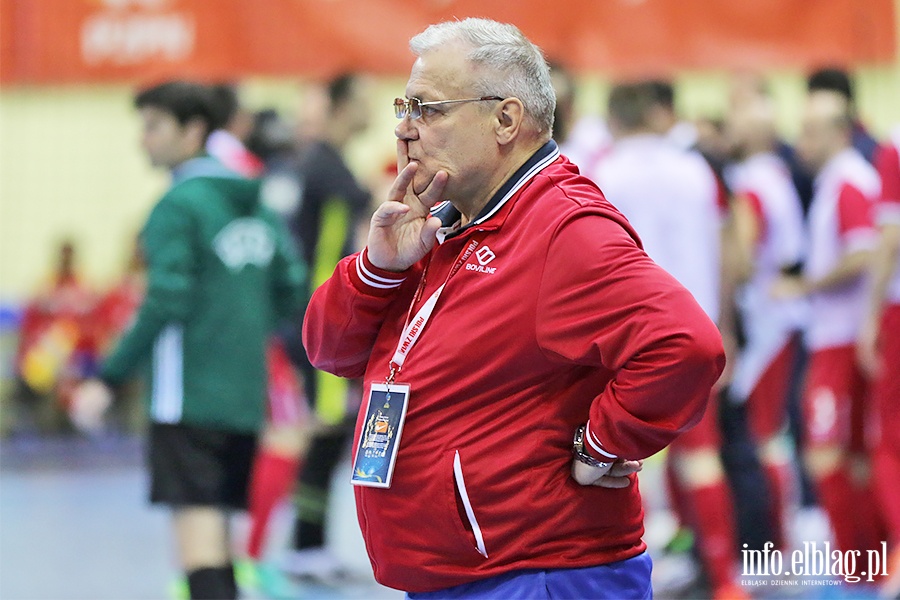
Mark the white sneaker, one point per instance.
(674, 573)
(314, 564)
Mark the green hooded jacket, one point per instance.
(221, 273)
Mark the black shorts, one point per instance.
(197, 466)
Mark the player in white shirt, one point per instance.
(672, 198)
(582, 139)
(768, 240)
(879, 350)
(842, 237)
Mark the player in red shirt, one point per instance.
(671, 197)
(767, 220)
(879, 350)
(56, 343)
(842, 238)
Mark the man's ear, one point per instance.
(510, 115)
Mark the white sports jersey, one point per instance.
(588, 141)
(765, 181)
(683, 134)
(670, 196)
(840, 221)
(888, 210)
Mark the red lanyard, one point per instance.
(415, 324)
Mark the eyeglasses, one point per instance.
(413, 106)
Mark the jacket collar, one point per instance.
(449, 216)
(202, 166)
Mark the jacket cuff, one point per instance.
(370, 279)
(594, 447)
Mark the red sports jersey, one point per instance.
(840, 221)
(764, 180)
(888, 209)
(887, 385)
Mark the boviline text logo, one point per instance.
(813, 561)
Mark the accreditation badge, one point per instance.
(379, 441)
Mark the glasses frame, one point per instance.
(412, 107)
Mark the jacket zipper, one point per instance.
(470, 514)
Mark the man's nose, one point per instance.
(406, 130)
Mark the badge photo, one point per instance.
(379, 441)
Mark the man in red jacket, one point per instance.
(501, 308)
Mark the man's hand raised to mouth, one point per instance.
(402, 231)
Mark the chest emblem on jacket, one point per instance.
(245, 241)
(484, 256)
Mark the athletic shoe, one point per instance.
(681, 542)
(673, 574)
(179, 590)
(317, 565)
(258, 578)
(245, 574)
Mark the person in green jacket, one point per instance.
(221, 273)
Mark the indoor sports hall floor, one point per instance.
(74, 525)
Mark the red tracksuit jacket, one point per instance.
(563, 319)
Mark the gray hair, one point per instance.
(505, 51)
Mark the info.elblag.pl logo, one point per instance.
(813, 565)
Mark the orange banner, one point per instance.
(74, 41)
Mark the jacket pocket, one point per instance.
(463, 497)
